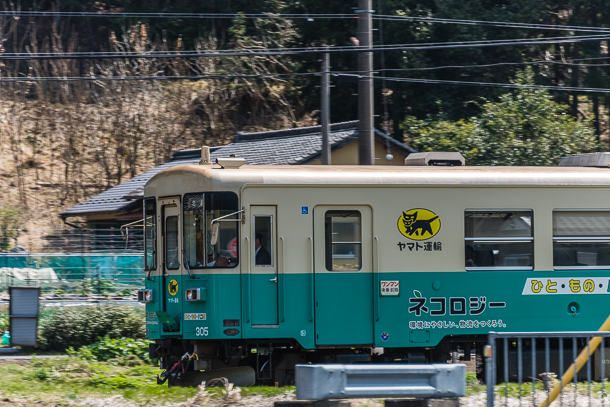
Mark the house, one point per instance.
(300, 146)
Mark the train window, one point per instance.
(581, 239)
(343, 235)
(199, 211)
(171, 245)
(150, 234)
(499, 239)
(263, 247)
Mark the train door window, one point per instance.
(194, 230)
(581, 239)
(263, 241)
(171, 245)
(499, 239)
(200, 209)
(343, 236)
(150, 234)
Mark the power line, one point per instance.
(307, 16)
(289, 51)
(493, 85)
(492, 23)
(309, 49)
(146, 78)
(335, 74)
(432, 68)
(20, 13)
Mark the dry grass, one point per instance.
(66, 142)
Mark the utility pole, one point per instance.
(325, 109)
(365, 83)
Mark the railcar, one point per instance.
(253, 269)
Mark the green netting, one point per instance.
(78, 267)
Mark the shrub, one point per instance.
(121, 350)
(81, 326)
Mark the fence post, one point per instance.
(490, 380)
(112, 239)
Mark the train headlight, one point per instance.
(145, 296)
(193, 294)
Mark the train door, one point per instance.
(343, 275)
(172, 280)
(263, 263)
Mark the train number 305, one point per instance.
(201, 331)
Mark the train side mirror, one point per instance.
(214, 238)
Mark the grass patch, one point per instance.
(74, 378)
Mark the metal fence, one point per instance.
(73, 240)
(73, 261)
(81, 274)
(568, 366)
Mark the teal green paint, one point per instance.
(344, 308)
(264, 299)
(344, 315)
(173, 303)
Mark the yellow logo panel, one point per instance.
(419, 224)
(172, 287)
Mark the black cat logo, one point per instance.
(172, 287)
(419, 224)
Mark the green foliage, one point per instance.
(526, 127)
(10, 218)
(81, 326)
(120, 381)
(4, 321)
(121, 350)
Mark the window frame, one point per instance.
(204, 196)
(579, 239)
(330, 246)
(490, 239)
(153, 239)
(177, 220)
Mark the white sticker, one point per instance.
(390, 287)
(566, 285)
(195, 317)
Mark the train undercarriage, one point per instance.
(272, 362)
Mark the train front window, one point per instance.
(499, 239)
(581, 239)
(150, 234)
(200, 210)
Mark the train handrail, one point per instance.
(248, 289)
(376, 279)
(312, 277)
(281, 282)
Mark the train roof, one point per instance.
(395, 175)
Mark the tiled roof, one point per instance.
(282, 147)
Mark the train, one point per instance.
(251, 270)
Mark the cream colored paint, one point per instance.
(389, 191)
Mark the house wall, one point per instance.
(348, 155)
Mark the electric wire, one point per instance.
(493, 84)
(311, 49)
(290, 51)
(119, 14)
(308, 16)
(147, 78)
(504, 24)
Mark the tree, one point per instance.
(525, 127)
